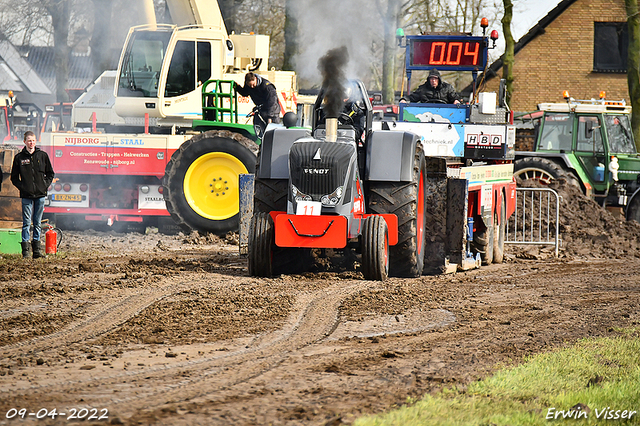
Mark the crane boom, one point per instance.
(196, 12)
(148, 11)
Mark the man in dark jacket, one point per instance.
(435, 90)
(32, 174)
(263, 93)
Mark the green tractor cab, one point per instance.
(588, 144)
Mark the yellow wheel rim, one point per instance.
(211, 185)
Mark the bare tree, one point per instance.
(229, 10)
(100, 39)
(290, 37)
(390, 21)
(509, 55)
(60, 12)
(23, 22)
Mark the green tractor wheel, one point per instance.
(542, 170)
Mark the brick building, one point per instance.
(580, 46)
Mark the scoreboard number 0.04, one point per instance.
(447, 53)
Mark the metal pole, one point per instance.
(246, 183)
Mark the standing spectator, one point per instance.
(32, 174)
(263, 93)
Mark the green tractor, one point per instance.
(588, 144)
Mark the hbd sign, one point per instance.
(483, 140)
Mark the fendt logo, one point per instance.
(81, 141)
(316, 171)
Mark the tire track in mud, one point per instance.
(103, 319)
(313, 318)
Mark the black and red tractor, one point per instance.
(340, 185)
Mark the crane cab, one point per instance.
(162, 68)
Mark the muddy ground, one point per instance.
(154, 329)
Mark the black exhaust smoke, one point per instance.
(332, 66)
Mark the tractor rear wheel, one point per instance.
(270, 194)
(375, 249)
(542, 170)
(201, 187)
(406, 200)
(499, 226)
(260, 245)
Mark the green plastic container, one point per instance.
(10, 241)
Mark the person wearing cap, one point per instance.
(435, 90)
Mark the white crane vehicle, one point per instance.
(177, 142)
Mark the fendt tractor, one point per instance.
(587, 143)
(165, 135)
(429, 193)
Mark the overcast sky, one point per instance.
(527, 13)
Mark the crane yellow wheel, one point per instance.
(211, 185)
(201, 188)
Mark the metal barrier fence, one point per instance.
(536, 220)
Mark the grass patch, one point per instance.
(602, 374)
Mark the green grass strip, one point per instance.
(602, 374)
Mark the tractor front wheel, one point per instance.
(375, 249)
(261, 237)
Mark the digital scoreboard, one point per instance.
(449, 53)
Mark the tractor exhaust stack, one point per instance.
(332, 129)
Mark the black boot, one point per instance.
(37, 249)
(26, 249)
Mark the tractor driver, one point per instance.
(263, 93)
(354, 111)
(435, 90)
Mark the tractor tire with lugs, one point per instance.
(201, 187)
(406, 200)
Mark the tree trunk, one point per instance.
(60, 12)
(101, 37)
(509, 56)
(389, 54)
(633, 66)
(228, 8)
(290, 36)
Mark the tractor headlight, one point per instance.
(299, 196)
(333, 198)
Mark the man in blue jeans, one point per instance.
(32, 174)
